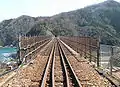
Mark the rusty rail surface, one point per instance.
(64, 67)
(44, 78)
(69, 69)
(69, 75)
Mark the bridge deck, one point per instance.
(31, 74)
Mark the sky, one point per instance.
(15, 8)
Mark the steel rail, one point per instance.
(75, 78)
(43, 83)
(64, 67)
(53, 68)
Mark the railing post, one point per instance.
(85, 46)
(78, 44)
(90, 49)
(98, 52)
(19, 52)
(111, 60)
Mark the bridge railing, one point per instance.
(30, 46)
(87, 47)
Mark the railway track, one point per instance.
(56, 66)
(82, 75)
(47, 79)
(71, 78)
(58, 71)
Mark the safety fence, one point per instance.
(87, 47)
(105, 57)
(110, 58)
(28, 49)
(30, 46)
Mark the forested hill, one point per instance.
(101, 19)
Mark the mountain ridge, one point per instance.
(100, 19)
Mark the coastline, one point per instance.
(8, 59)
(1, 46)
(7, 52)
(8, 47)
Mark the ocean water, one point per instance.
(5, 53)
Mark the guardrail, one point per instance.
(87, 47)
(30, 46)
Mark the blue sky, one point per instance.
(15, 8)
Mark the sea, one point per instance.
(5, 53)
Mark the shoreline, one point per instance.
(7, 47)
(7, 53)
(8, 58)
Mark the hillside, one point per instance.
(10, 29)
(97, 20)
